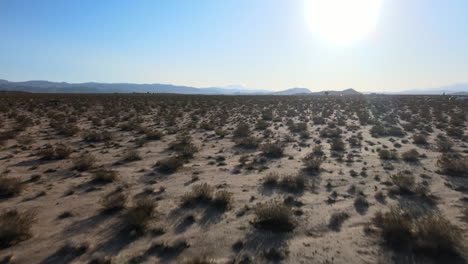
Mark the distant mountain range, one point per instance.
(93, 87)
(455, 89)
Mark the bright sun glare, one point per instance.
(342, 21)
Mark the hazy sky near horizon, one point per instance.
(262, 44)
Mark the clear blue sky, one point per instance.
(264, 44)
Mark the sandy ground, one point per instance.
(225, 236)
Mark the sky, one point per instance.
(261, 44)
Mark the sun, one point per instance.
(342, 21)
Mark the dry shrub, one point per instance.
(337, 219)
(104, 175)
(170, 164)
(271, 178)
(388, 154)
(293, 182)
(312, 161)
(404, 182)
(444, 144)
(96, 136)
(10, 186)
(420, 139)
(60, 151)
(242, 130)
(272, 150)
(84, 162)
(114, 201)
(429, 234)
(330, 132)
(131, 155)
(223, 199)
(453, 165)
(153, 134)
(138, 216)
(410, 155)
(274, 216)
(15, 227)
(248, 142)
(337, 144)
(202, 192)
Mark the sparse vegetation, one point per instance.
(275, 216)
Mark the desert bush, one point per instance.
(444, 144)
(262, 125)
(274, 216)
(378, 131)
(84, 162)
(404, 182)
(248, 142)
(312, 161)
(388, 154)
(10, 186)
(242, 130)
(113, 201)
(202, 192)
(419, 139)
(15, 227)
(272, 150)
(153, 134)
(453, 164)
(337, 219)
(337, 144)
(60, 151)
(223, 199)
(293, 182)
(271, 178)
(454, 132)
(410, 155)
(170, 164)
(330, 133)
(138, 216)
(131, 155)
(96, 136)
(429, 234)
(104, 175)
(184, 146)
(395, 131)
(298, 127)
